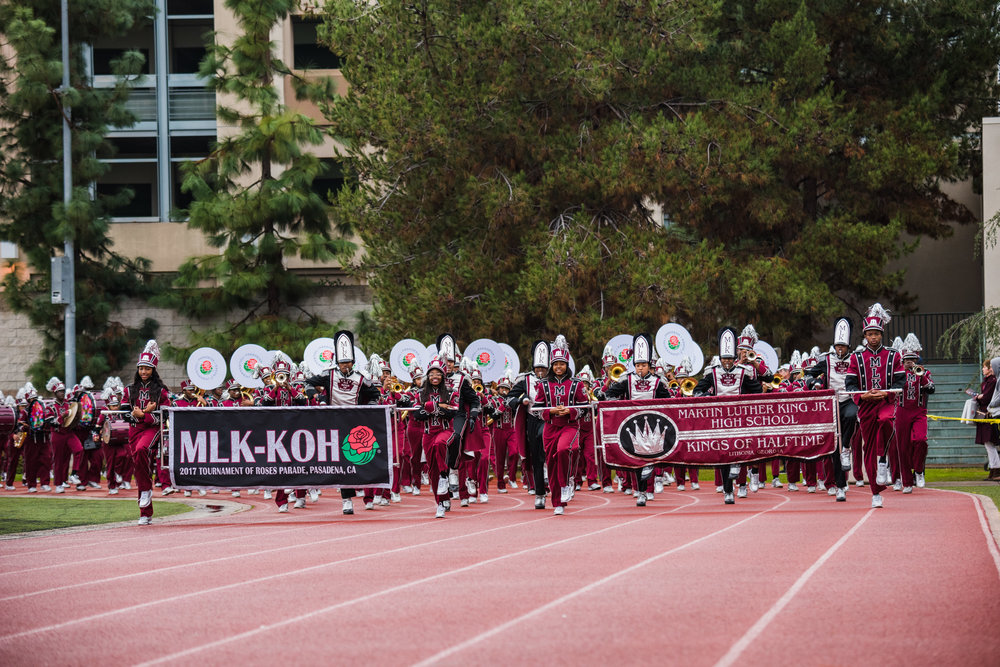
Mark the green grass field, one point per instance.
(20, 515)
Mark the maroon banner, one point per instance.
(718, 430)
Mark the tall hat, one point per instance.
(897, 344)
(150, 355)
(540, 354)
(437, 364)
(748, 338)
(476, 374)
(187, 384)
(912, 347)
(447, 349)
(29, 391)
(585, 375)
(416, 371)
(727, 343)
(877, 318)
(376, 366)
(86, 383)
(507, 380)
(343, 345)
(795, 362)
(54, 384)
(663, 367)
(281, 363)
(560, 350)
(642, 349)
(684, 368)
(304, 369)
(9, 401)
(712, 364)
(233, 385)
(608, 357)
(20, 396)
(842, 332)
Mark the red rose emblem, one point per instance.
(408, 359)
(362, 439)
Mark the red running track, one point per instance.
(779, 578)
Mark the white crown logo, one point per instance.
(647, 443)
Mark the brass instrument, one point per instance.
(919, 370)
(617, 371)
(19, 439)
(673, 385)
(775, 382)
(281, 378)
(479, 387)
(200, 395)
(688, 385)
(395, 386)
(247, 394)
(751, 356)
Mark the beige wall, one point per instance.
(991, 208)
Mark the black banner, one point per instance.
(280, 448)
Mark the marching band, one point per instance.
(456, 430)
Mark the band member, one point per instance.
(65, 442)
(347, 386)
(640, 384)
(527, 425)
(116, 455)
(830, 372)
(92, 457)
(474, 467)
(555, 397)
(414, 434)
(747, 356)
(437, 407)
(874, 371)
(728, 379)
(142, 400)
(282, 393)
(33, 422)
(469, 406)
(911, 417)
(598, 476)
(505, 452)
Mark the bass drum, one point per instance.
(8, 420)
(114, 433)
(88, 410)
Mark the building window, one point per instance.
(331, 180)
(140, 178)
(307, 52)
(190, 8)
(188, 45)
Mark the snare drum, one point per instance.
(114, 433)
(8, 420)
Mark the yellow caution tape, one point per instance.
(963, 419)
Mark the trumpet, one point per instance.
(617, 371)
(396, 386)
(281, 379)
(751, 356)
(919, 370)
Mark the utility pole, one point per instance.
(68, 278)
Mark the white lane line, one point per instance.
(409, 584)
(294, 527)
(991, 542)
(270, 577)
(286, 547)
(978, 500)
(744, 642)
(77, 547)
(589, 587)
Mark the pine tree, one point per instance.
(32, 213)
(254, 198)
(511, 154)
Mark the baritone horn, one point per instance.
(687, 386)
(617, 371)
